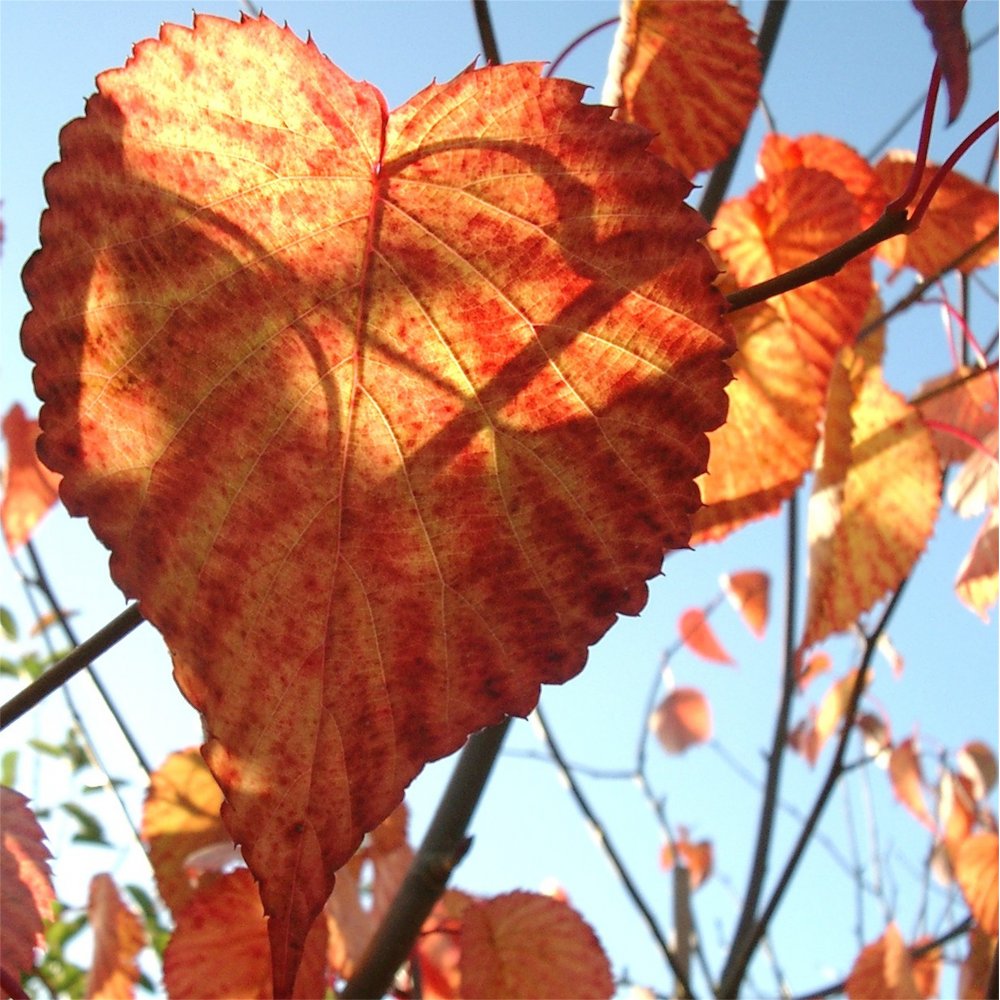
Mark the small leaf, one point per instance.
(812, 666)
(977, 584)
(90, 830)
(8, 624)
(749, 593)
(682, 720)
(703, 50)
(698, 635)
(977, 762)
(27, 884)
(976, 874)
(834, 706)
(961, 214)
(908, 781)
(118, 939)
(697, 857)
(944, 21)
(528, 946)
(883, 970)
(29, 489)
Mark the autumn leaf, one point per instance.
(944, 22)
(977, 582)
(27, 884)
(701, 50)
(384, 417)
(977, 969)
(883, 970)
(748, 592)
(976, 874)
(698, 635)
(525, 945)
(180, 817)
(787, 345)
(681, 720)
(959, 408)
(29, 489)
(833, 707)
(438, 950)
(810, 667)
(961, 213)
(118, 939)
(219, 947)
(977, 762)
(697, 857)
(908, 781)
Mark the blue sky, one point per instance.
(844, 69)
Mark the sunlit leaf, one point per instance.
(944, 21)
(697, 857)
(179, 818)
(438, 950)
(821, 152)
(698, 635)
(701, 49)
(977, 762)
(976, 874)
(961, 213)
(883, 970)
(787, 345)
(833, 707)
(965, 400)
(681, 720)
(908, 781)
(977, 581)
(118, 939)
(749, 593)
(29, 489)
(385, 418)
(220, 948)
(812, 666)
(27, 884)
(874, 503)
(529, 946)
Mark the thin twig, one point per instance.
(443, 847)
(59, 673)
(487, 37)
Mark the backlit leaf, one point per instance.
(977, 762)
(965, 400)
(977, 582)
(528, 946)
(438, 949)
(875, 499)
(787, 345)
(701, 49)
(749, 593)
(833, 707)
(944, 21)
(698, 635)
(384, 417)
(976, 873)
(697, 857)
(681, 720)
(29, 489)
(908, 780)
(219, 947)
(961, 213)
(118, 939)
(883, 970)
(27, 884)
(181, 817)
(977, 969)
(811, 666)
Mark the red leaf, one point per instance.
(883, 970)
(944, 21)
(532, 947)
(118, 939)
(681, 720)
(699, 637)
(412, 406)
(29, 489)
(27, 884)
(748, 592)
(908, 781)
(696, 857)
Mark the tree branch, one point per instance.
(487, 36)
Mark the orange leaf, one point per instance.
(29, 489)
(27, 884)
(961, 213)
(786, 346)
(438, 948)
(384, 417)
(219, 947)
(883, 970)
(976, 874)
(977, 969)
(699, 636)
(524, 945)
(748, 592)
(180, 818)
(696, 857)
(681, 720)
(944, 21)
(834, 706)
(956, 813)
(118, 939)
(965, 400)
(811, 667)
(704, 51)
(875, 499)
(908, 782)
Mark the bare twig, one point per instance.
(484, 23)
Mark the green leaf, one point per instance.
(8, 624)
(91, 831)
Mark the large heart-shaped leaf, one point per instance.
(384, 417)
